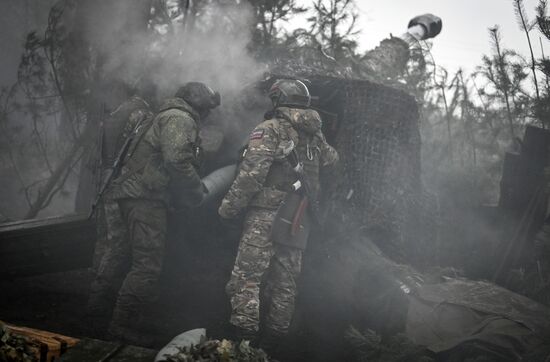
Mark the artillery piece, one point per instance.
(375, 208)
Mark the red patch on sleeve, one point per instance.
(257, 135)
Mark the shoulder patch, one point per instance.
(257, 134)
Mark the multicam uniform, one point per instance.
(264, 178)
(162, 157)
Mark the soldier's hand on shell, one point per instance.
(223, 212)
(431, 23)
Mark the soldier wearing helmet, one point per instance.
(111, 228)
(266, 177)
(159, 169)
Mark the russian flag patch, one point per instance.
(257, 135)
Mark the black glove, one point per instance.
(430, 22)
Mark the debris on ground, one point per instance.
(14, 348)
(213, 350)
(369, 346)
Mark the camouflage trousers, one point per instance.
(132, 262)
(112, 251)
(260, 261)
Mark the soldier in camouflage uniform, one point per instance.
(160, 169)
(110, 252)
(264, 179)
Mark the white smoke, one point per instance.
(208, 44)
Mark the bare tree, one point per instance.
(269, 14)
(527, 26)
(333, 27)
(51, 114)
(504, 73)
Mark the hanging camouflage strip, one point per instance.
(219, 351)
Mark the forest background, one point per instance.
(79, 57)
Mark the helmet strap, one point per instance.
(276, 103)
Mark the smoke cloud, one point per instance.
(208, 44)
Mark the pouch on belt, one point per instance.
(292, 222)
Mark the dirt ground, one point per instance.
(191, 293)
(57, 303)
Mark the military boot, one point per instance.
(126, 326)
(271, 342)
(98, 314)
(239, 334)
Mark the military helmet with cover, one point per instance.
(289, 93)
(199, 96)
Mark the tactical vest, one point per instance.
(143, 174)
(116, 126)
(281, 176)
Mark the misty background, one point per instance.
(66, 64)
(478, 86)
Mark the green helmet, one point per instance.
(289, 93)
(199, 96)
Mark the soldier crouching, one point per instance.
(282, 162)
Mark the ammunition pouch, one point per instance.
(292, 222)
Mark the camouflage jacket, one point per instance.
(164, 158)
(119, 124)
(265, 174)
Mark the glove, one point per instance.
(431, 23)
(197, 196)
(232, 223)
(190, 198)
(226, 212)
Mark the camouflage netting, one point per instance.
(378, 139)
(385, 63)
(212, 350)
(375, 129)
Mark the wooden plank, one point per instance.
(47, 346)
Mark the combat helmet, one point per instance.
(289, 93)
(199, 96)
